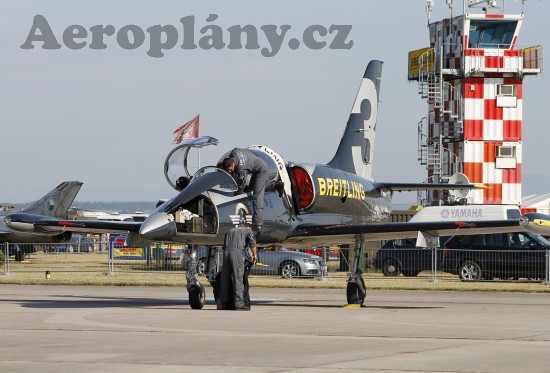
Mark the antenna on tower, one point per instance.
(450, 5)
(429, 7)
(486, 4)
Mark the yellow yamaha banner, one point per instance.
(129, 252)
(420, 59)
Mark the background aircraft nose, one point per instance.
(536, 223)
(158, 226)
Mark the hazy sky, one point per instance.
(106, 117)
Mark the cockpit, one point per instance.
(204, 193)
(177, 165)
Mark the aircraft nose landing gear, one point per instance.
(195, 289)
(196, 295)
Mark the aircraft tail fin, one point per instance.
(57, 202)
(355, 152)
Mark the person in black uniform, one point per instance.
(232, 289)
(241, 162)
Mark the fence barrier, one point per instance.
(313, 263)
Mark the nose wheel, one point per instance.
(196, 295)
(194, 287)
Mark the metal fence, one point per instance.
(108, 257)
(62, 257)
(429, 264)
(482, 264)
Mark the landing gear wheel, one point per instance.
(196, 296)
(354, 294)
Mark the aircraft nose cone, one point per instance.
(524, 221)
(158, 226)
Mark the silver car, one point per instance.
(283, 262)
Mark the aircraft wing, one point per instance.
(411, 187)
(44, 224)
(388, 231)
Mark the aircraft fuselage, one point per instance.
(320, 195)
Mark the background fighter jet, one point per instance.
(55, 204)
(319, 204)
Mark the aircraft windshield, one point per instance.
(177, 162)
(224, 182)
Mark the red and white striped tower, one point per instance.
(472, 76)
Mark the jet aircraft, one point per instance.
(54, 204)
(338, 202)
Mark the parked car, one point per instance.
(398, 257)
(498, 255)
(280, 261)
(331, 253)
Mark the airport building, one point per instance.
(471, 75)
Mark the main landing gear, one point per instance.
(356, 290)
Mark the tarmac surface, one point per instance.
(152, 329)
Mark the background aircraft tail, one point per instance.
(57, 202)
(355, 152)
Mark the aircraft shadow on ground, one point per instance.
(65, 301)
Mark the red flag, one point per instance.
(189, 130)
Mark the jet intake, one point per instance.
(63, 237)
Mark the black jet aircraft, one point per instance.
(338, 202)
(54, 204)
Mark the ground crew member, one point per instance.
(239, 164)
(232, 290)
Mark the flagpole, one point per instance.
(199, 154)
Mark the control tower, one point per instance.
(472, 77)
